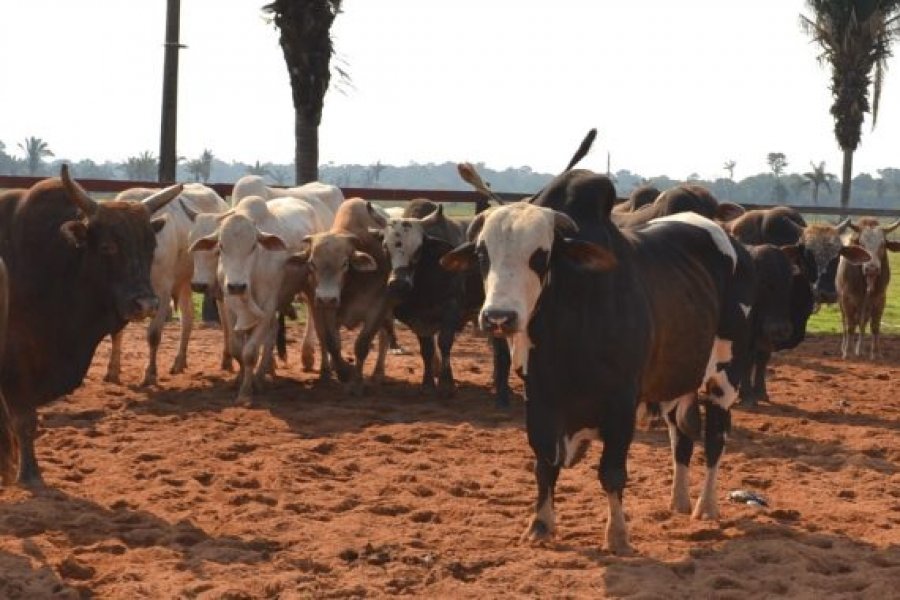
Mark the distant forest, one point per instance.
(775, 187)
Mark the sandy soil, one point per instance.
(177, 493)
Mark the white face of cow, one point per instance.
(239, 244)
(513, 248)
(873, 238)
(403, 240)
(206, 262)
(513, 252)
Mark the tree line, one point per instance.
(813, 187)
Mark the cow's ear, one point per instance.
(728, 211)
(892, 245)
(270, 241)
(158, 223)
(75, 232)
(436, 246)
(794, 254)
(205, 243)
(587, 255)
(461, 258)
(362, 261)
(856, 255)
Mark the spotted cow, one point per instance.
(600, 318)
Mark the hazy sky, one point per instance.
(672, 87)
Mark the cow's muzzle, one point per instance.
(236, 289)
(142, 307)
(327, 301)
(499, 322)
(399, 285)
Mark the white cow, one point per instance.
(323, 197)
(170, 274)
(253, 242)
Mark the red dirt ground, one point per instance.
(178, 493)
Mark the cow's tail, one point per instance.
(281, 338)
(583, 149)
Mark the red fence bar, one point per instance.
(402, 195)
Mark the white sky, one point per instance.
(674, 87)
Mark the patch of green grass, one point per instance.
(828, 319)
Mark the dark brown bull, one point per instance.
(78, 271)
(679, 199)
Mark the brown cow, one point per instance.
(862, 288)
(679, 199)
(349, 268)
(79, 270)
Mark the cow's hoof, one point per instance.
(705, 510)
(149, 381)
(446, 389)
(537, 531)
(680, 505)
(355, 388)
(308, 361)
(227, 365)
(112, 378)
(428, 389)
(244, 400)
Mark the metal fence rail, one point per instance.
(404, 195)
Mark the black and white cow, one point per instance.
(429, 300)
(600, 319)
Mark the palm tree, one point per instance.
(855, 37)
(35, 150)
(142, 167)
(206, 160)
(259, 170)
(729, 166)
(305, 38)
(816, 178)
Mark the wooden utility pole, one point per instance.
(168, 153)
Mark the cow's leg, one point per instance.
(8, 446)
(682, 449)
(25, 429)
(426, 348)
(268, 341)
(186, 308)
(502, 363)
(543, 524)
(718, 423)
(761, 360)
(114, 368)
(845, 328)
(154, 336)
(384, 342)
(862, 332)
(877, 312)
(446, 385)
(308, 345)
(227, 358)
(361, 352)
(617, 430)
(328, 328)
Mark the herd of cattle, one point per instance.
(672, 300)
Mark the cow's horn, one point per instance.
(470, 175)
(376, 216)
(891, 227)
(162, 197)
(434, 217)
(563, 222)
(842, 225)
(79, 197)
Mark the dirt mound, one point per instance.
(176, 492)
